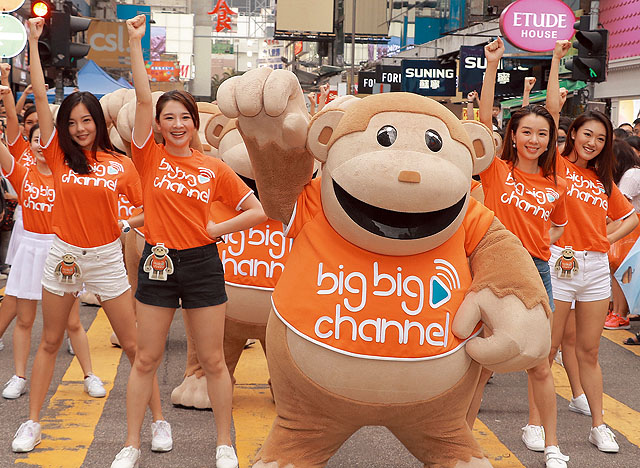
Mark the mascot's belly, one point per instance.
(248, 305)
(374, 381)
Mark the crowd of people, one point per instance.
(568, 189)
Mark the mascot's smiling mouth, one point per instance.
(396, 224)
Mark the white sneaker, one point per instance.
(558, 358)
(603, 438)
(554, 458)
(27, 437)
(1, 344)
(128, 457)
(580, 405)
(94, 386)
(14, 388)
(161, 440)
(533, 437)
(70, 347)
(226, 457)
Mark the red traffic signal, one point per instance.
(41, 9)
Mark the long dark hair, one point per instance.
(547, 160)
(626, 158)
(184, 98)
(634, 141)
(604, 162)
(73, 154)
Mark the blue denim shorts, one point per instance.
(545, 274)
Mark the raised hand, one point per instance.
(269, 105)
(4, 90)
(36, 25)
(136, 27)
(472, 96)
(5, 69)
(561, 49)
(529, 83)
(494, 50)
(563, 96)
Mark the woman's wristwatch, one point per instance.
(126, 227)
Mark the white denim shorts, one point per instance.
(592, 281)
(101, 270)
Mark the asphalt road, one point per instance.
(80, 431)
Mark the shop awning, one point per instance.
(539, 96)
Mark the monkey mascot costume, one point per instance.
(253, 262)
(393, 271)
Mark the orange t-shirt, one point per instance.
(178, 191)
(21, 151)
(86, 210)
(253, 258)
(527, 204)
(588, 205)
(36, 195)
(374, 306)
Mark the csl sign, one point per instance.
(536, 25)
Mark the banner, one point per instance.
(109, 43)
(508, 82)
(163, 71)
(429, 77)
(391, 75)
(366, 82)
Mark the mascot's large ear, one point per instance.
(213, 130)
(484, 147)
(322, 127)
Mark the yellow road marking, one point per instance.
(497, 453)
(253, 408)
(70, 419)
(618, 336)
(616, 415)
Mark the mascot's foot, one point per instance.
(114, 340)
(191, 393)
(89, 299)
(474, 463)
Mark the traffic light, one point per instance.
(43, 9)
(591, 62)
(65, 53)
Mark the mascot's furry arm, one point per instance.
(274, 130)
(511, 301)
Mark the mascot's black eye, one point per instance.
(387, 135)
(434, 140)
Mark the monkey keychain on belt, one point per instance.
(566, 265)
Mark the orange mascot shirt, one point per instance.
(36, 195)
(253, 258)
(589, 206)
(86, 210)
(21, 151)
(369, 305)
(527, 204)
(178, 192)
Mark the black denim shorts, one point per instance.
(197, 280)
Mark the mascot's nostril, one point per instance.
(409, 176)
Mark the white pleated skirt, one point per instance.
(25, 278)
(17, 234)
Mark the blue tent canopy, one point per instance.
(93, 79)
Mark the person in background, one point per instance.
(626, 176)
(636, 127)
(628, 127)
(563, 126)
(620, 134)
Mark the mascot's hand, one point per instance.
(517, 338)
(269, 105)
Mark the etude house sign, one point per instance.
(536, 25)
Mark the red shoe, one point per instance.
(615, 322)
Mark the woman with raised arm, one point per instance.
(528, 197)
(579, 256)
(180, 262)
(88, 176)
(23, 289)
